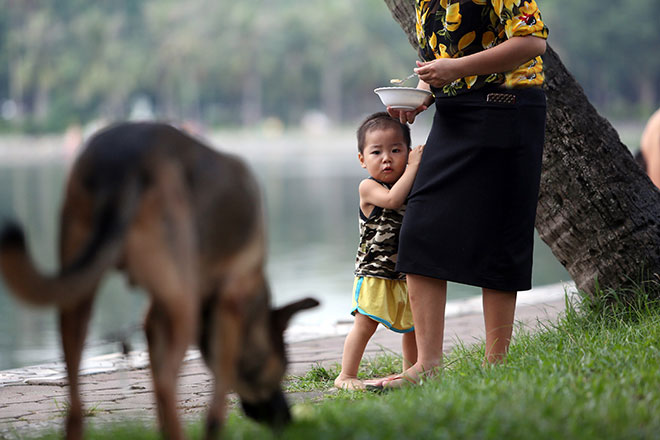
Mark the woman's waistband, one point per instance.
(496, 94)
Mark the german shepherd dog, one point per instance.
(185, 223)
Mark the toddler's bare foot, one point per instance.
(349, 383)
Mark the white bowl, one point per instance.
(405, 98)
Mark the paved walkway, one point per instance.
(35, 398)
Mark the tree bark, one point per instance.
(598, 211)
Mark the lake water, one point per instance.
(310, 184)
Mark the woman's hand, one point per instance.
(406, 116)
(438, 73)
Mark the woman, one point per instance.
(470, 215)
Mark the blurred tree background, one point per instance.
(230, 64)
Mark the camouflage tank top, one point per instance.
(379, 243)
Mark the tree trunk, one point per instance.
(598, 211)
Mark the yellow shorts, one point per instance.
(385, 301)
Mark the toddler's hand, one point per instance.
(415, 155)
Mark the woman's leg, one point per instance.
(499, 310)
(409, 352)
(428, 297)
(354, 345)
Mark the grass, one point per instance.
(63, 409)
(594, 374)
(322, 378)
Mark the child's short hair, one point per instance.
(381, 120)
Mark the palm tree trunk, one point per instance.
(598, 212)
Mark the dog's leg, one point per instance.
(221, 329)
(75, 232)
(216, 413)
(161, 254)
(170, 326)
(224, 320)
(167, 347)
(73, 329)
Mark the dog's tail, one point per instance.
(112, 215)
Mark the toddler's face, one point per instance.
(385, 154)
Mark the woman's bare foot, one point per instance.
(414, 375)
(349, 383)
(379, 381)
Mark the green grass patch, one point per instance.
(129, 429)
(320, 378)
(594, 374)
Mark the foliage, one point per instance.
(65, 62)
(611, 48)
(70, 61)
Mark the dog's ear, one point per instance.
(282, 315)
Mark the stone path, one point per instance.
(35, 398)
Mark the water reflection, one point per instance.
(310, 192)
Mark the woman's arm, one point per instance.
(438, 73)
(504, 57)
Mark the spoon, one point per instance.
(397, 81)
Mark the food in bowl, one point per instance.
(405, 98)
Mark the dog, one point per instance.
(185, 223)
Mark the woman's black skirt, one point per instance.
(470, 214)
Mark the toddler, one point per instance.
(380, 294)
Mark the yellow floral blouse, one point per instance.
(455, 28)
